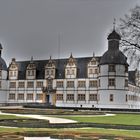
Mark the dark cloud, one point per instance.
(31, 27)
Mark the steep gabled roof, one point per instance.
(60, 67)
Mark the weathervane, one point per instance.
(114, 23)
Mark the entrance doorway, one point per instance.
(47, 98)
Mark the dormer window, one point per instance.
(93, 62)
(31, 70)
(13, 70)
(92, 68)
(50, 69)
(71, 68)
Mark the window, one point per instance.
(126, 83)
(81, 84)
(70, 97)
(13, 66)
(90, 71)
(93, 83)
(15, 73)
(93, 97)
(111, 82)
(47, 72)
(81, 97)
(96, 71)
(51, 72)
(12, 96)
(68, 72)
(30, 84)
(126, 98)
(30, 96)
(33, 72)
(30, 73)
(111, 97)
(59, 84)
(39, 84)
(70, 84)
(73, 72)
(93, 62)
(10, 73)
(126, 68)
(111, 68)
(59, 97)
(21, 96)
(21, 84)
(39, 96)
(12, 84)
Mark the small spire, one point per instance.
(93, 54)
(114, 23)
(50, 57)
(31, 59)
(71, 55)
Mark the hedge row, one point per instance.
(29, 123)
(35, 123)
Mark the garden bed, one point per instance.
(27, 123)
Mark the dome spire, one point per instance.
(114, 24)
(114, 34)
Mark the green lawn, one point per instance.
(126, 119)
(9, 117)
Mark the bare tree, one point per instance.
(129, 29)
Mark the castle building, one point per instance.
(89, 82)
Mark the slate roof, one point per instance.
(113, 57)
(3, 65)
(114, 35)
(60, 67)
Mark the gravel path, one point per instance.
(54, 120)
(51, 119)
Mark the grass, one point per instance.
(88, 131)
(10, 117)
(125, 119)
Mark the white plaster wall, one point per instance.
(119, 92)
(3, 89)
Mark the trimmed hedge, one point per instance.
(35, 123)
(29, 123)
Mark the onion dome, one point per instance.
(113, 55)
(114, 35)
(3, 65)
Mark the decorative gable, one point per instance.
(50, 69)
(31, 70)
(92, 68)
(71, 68)
(13, 69)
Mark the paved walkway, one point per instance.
(52, 120)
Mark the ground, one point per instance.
(122, 119)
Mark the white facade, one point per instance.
(3, 86)
(90, 82)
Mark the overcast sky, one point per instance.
(35, 27)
